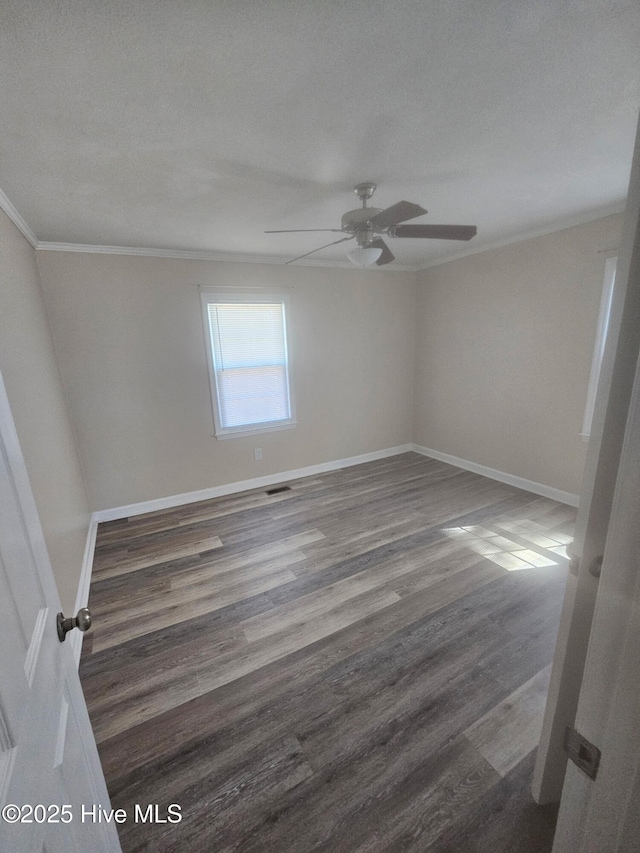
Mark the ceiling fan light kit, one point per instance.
(364, 257)
(364, 224)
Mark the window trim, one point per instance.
(211, 296)
(598, 349)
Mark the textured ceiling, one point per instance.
(196, 125)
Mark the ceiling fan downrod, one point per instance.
(364, 191)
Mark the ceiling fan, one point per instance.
(365, 224)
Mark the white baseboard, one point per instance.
(501, 476)
(274, 479)
(82, 597)
(244, 485)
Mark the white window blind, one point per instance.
(250, 370)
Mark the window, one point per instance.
(248, 363)
(598, 351)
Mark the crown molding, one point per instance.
(17, 220)
(239, 258)
(194, 255)
(551, 228)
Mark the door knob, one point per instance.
(82, 621)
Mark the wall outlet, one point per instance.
(257, 453)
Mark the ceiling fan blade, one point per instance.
(298, 230)
(436, 232)
(399, 212)
(344, 240)
(387, 255)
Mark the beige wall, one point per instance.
(504, 341)
(130, 342)
(486, 358)
(34, 388)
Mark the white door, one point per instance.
(601, 470)
(603, 815)
(49, 765)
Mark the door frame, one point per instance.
(603, 814)
(596, 501)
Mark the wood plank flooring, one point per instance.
(356, 665)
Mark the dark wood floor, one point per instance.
(356, 665)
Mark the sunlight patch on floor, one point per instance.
(513, 555)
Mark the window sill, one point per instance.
(259, 430)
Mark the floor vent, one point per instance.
(277, 490)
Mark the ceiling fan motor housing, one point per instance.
(365, 224)
(358, 219)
